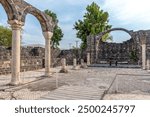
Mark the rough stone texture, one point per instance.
(117, 51)
(32, 58)
(69, 55)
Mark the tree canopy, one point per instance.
(94, 21)
(5, 36)
(57, 33)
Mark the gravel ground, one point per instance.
(91, 77)
(127, 97)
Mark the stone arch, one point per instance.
(99, 36)
(47, 26)
(45, 20)
(16, 11)
(97, 39)
(10, 9)
(117, 29)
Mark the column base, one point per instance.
(88, 64)
(83, 66)
(63, 71)
(47, 75)
(16, 83)
(144, 68)
(75, 68)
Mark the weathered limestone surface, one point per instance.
(48, 36)
(64, 68)
(88, 59)
(74, 64)
(144, 56)
(83, 64)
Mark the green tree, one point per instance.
(57, 33)
(94, 22)
(133, 56)
(5, 36)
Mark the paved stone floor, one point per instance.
(83, 84)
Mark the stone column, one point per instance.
(148, 64)
(75, 64)
(97, 48)
(48, 35)
(83, 65)
(144, 56)
(82, 62)
(63, 69)
(15, 62)
(88, 59)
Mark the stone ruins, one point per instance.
(14, 60)
(121, 52)
(17, 11)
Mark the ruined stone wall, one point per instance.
(32, 58)
(69, 55)
(148, 44)
(120, 52)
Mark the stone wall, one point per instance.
(69, 55)
(32, 58)
(121, 52)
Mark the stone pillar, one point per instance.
(63, 69)
(83, 65)
(15, 61)
(82, 62)
(148, 64)
(74, 64)
(144, 56)
(88, 59)
(96, 49)
(48, 35)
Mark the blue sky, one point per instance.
(129, 14)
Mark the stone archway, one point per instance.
(141, 38)
(98, 38)
(10, 9)
(100, 35)
(16, 11)
(116, 29)
(46, 25)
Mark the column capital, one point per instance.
(48, 35)
(15, 24)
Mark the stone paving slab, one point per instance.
(75, 93)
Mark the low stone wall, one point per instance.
(26, 65)
(32, 58)
(69, 55)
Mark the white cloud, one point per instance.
(129, 11)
